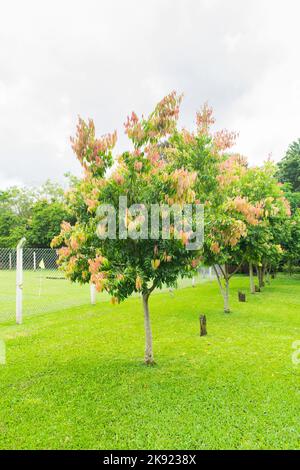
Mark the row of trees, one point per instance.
(251, 213)
(247, 214)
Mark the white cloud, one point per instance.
(103, 59)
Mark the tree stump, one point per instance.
(257, 289)
(242, 297)
(203, 331)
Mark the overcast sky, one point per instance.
(103, 59)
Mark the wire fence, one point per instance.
(44, 288)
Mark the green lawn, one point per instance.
(74, 379)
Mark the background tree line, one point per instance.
(289, 174)
(35, 213)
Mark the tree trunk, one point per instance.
(252, 286)
(149, 359)
(267, 274)
(273, 273)
(224, 290)
(226, 296)
(263, 274)
(260, 277)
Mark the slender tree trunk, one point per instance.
(260, 276)
(267, 274)
(149, 359)
(263, 274)
(224, 289)
(272, 273)
(226, 296)
(252, 286)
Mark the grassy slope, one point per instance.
(76, 380)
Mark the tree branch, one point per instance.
(222, 270)
(236, 269)
(218, 278)
(150, 289)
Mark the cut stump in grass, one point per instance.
(242, 297)
(203, 331)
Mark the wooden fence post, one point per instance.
(203, 331)
(242, 297)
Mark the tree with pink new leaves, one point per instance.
(228, 212)
(246, 221)
(164, 166)
(229, 216)
(263, 245)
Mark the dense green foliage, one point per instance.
(34, 213)
(289, 174)
(291, 242)
(289, 167)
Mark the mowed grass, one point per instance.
(75, 379)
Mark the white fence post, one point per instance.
(93, 293)
(19, 280)
(10, 263)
